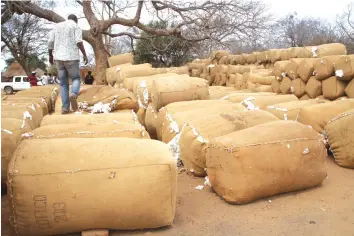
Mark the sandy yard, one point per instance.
(326, 210)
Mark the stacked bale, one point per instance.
(238, 174)
(125, 58)
(65, 183)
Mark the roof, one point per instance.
(16, 69)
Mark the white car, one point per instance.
(17, 83)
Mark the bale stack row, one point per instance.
(21, 113)
(329, 77)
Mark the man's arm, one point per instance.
(79, 42)
(51, 47)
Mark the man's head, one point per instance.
(50, 74)
(33, 73)
(45, 74)
(72, 17)
(90, 72)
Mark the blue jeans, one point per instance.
(68, 69)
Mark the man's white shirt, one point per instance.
(63, 40)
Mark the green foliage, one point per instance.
(162, 51)
(34, 62)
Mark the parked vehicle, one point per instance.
(16, 83)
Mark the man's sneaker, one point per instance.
(64, 112)
(73, 102)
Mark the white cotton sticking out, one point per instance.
(6, 131)
(27, 135)
(339, 73)
(27, 115)
(207, 182)
(306, 151)
(314, 49)
(173, 146)
(100, 108)
(249, 104)
(199, 187)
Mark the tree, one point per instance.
(195, 21)
(294, 32)
(25, 37)
(171, 51)
(345, 23)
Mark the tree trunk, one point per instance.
(101, 59)
(24, 65)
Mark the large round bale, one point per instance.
(324, 67)
(238, 174)
(128, 83)
(306, 68)
(111, 72)
(259, 79)
(285, 85)
(340, 136)
(122, 72)
(285, 55)
(349, 90)
(42, 102)
(261, 102)
(151, 121)
(304, 97)
(298, 87)
(319, 115)
(279, 69)
(169, 90)
(263, 88)
(27, 97)
(119, 99)
(9, 143)
(240, 82)
(120, 59)
(182, 70)
(275, 55)
(44, 173)
(173, 108)
(344, 68)
(174, 122)
(196, 134)
(118, 130)
(217, 92)
(292, 67)
(27, 115)
(35, 111)
(290, 110)
(313, 87)
(109, 118)
(332, 88)
(252, 58)
(299, 52)
(275, 86)
(329, 50)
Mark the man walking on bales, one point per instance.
(66, 40)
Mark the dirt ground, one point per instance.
(325, 210)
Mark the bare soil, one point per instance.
(325, 210)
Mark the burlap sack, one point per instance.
(128, 83)
(332, 88)
(239, 176)
(232, 69)
(285, 85)
(329, 50)
(275, 55)
(240, 83)
(344, 68)
(340, 136)
(259, 79)
(223, 80)
(34, 110)
(195, 73)
(263, 88)
(173, 123)
(300, 52)
(31, 98)
(349, 90)
(111, 72)
(217, 92)
(128, 71)
(120, 59)
(243, 59)
(251, 86)
(28, 116)
(65, 184)
(239, 96)
(123, 99)
(285, 55)
(9, 142)
(342, 98)
(110, 118)
(298, 87)
(291, 68)
(231, 80)
(104, 130)
(324, 67)
(319, 115)
(306, 68)
(279, 68)
(169, 90)
(313, 87)
(182, 70)
(261, 102)
(197, 133)
(304, 97)
(252, 58)
(151, 121)
(263, 72)
(275, 86)
(182, 106)
(290, 110)
(219, 54)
